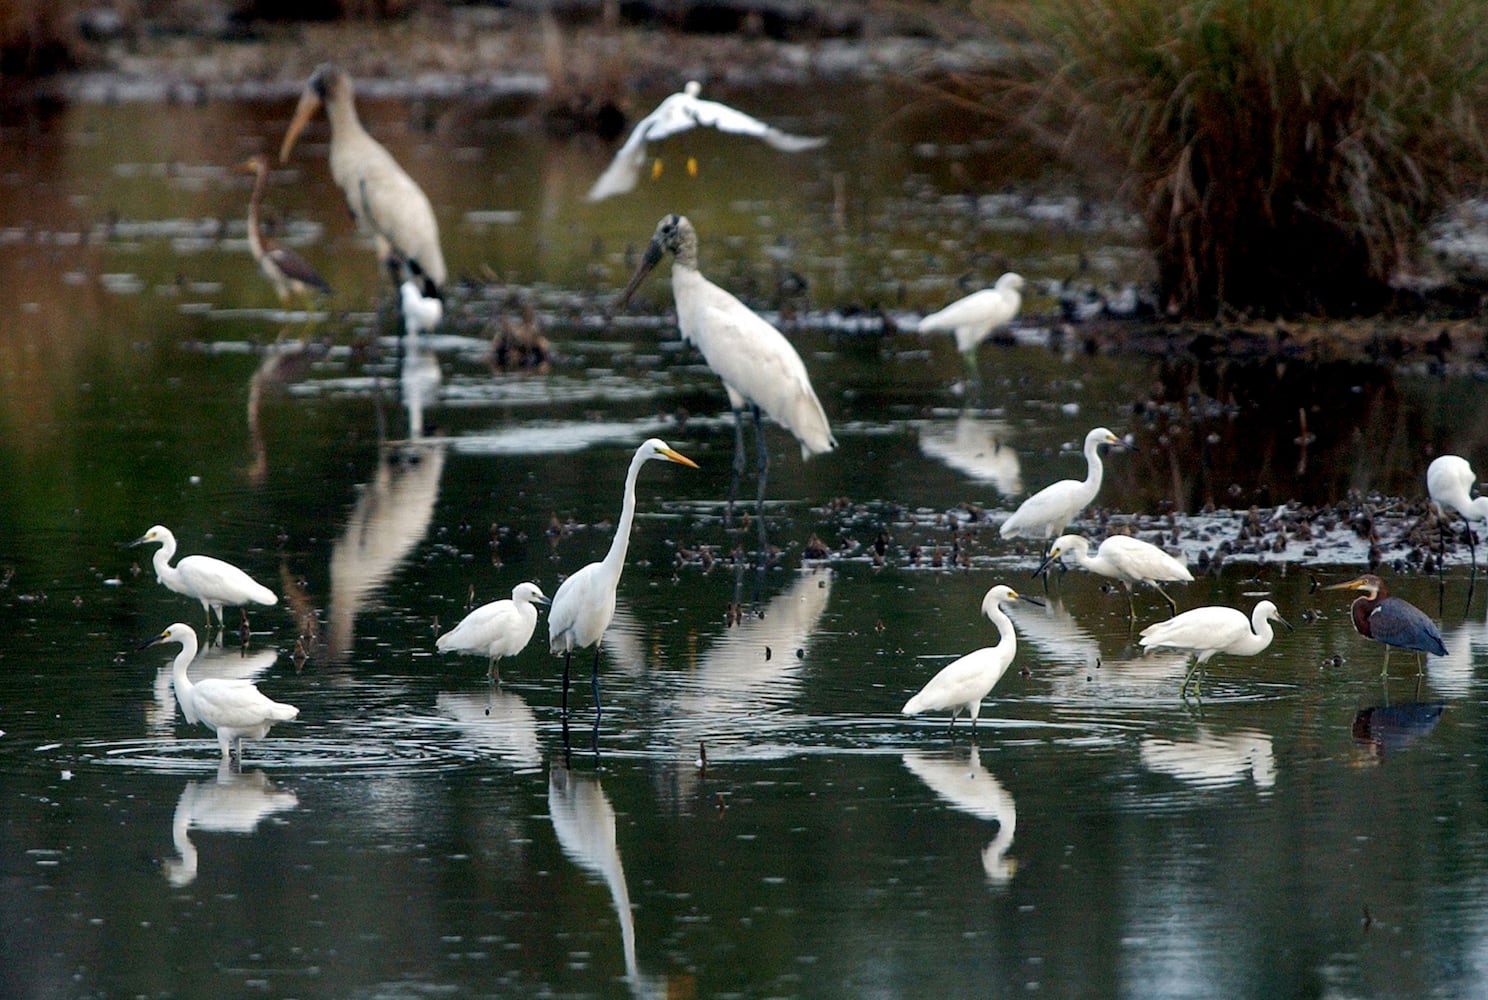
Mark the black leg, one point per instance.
(566, 657)
(733, 493)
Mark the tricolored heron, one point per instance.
(1390, 620)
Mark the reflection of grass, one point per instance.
(1284, 155)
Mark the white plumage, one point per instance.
(423, 309)
(1124, 558)
(974, 318)
(497, 629)
(678, 113)
(235, 709)
(1449, 482)
(215, 583)
(962, 684)
(1049, 511)
(1211, 630)
(378, 191)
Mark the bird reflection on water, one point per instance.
(232, 802)
(971, 788)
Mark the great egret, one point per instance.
(289, 273)
(501, 628)
(1215, 629)
(1390, 620)
(1449, 483)
(973, 318)
(402, 220)
(678, 113)
(585, 602)
(215, 583)
(759, 367)
(1124, 558)
(963, 683)
(1049, 511)
(235, 709)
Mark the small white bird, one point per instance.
(1124, 558)
(235, 709)
(963, 683)
(1049, 511)
(501, 628)
(585, 602)
(1211, 630)
(678, 113)
(1449, 482)
(974, 318)
(215, 583)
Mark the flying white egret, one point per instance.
(289, 273)
(759, 367)
(585, 602)
(1214, 629)
(964, 682)
(379, 193)
(215, 583)
(1049, 511)
(235, 709)
(1124, 558)
(973, 318)
(497, 629)
(678, 113)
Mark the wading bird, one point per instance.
(759, 367)
(1214, 629)
(401, 219)
(215, 583)
(289, 273)
(963, 683)
(501, 628)
(1049, 511)
(235, 709)
(1449, 483)
(1390, 620)
(678, 113)
(974, 318)
(1121, 557)
(585, 602)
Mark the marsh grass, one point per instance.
(1286, 157)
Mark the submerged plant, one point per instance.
(1286, 157)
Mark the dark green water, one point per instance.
(416, 833)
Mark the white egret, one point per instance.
(379, 193)
(235, 709)
(585, 602)
(759, 367)
(497, 629)
(963, 683)
(215, 583)
(1449, 483)
(289, 273)
(1124, 558)
(974, 318)
(1049, 511)
(678, 113)
(1215, 629)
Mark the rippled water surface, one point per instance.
(760, 820)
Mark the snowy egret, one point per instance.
(1123, 558)
(501, 628)
(964, 682)
(759, 367)
(1214, 629)
(1049, 511)
(215, 583)
(1449, 483)
(585, 602)
(235, 709)
(1390, 620)
(973, 318)
(678, 113)
(289, 273)
(370, 178)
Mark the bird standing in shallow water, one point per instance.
(1449, 483)
(1123, 558)
(1390, 620)
(233, 708)
(1049, 511)
(501, 628)
(1211, 630)
(215, 583)
(974, 318)
(289, 273)
(585, 602)
(962, 684)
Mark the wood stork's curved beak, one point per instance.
(309, 104)
(649, 260)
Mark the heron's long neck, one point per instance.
(1094, 469)
(1006, 637)
(161, 560)
(255, 233)
(614, 560)
(178, 669)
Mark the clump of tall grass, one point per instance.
(1286, 157)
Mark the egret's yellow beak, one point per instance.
(309, 104)
(679, 458)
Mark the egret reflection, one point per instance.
(970, 788)
(977, 448)
(1213, 759)
(233, 802)
(497, 721)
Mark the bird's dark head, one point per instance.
(328, 83)
(1372, 586)
(255, 164)
(675, 235)
(327, 80)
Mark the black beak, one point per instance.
(649, 260)
(1044, 566)
(1031, 600)
(147, 643)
